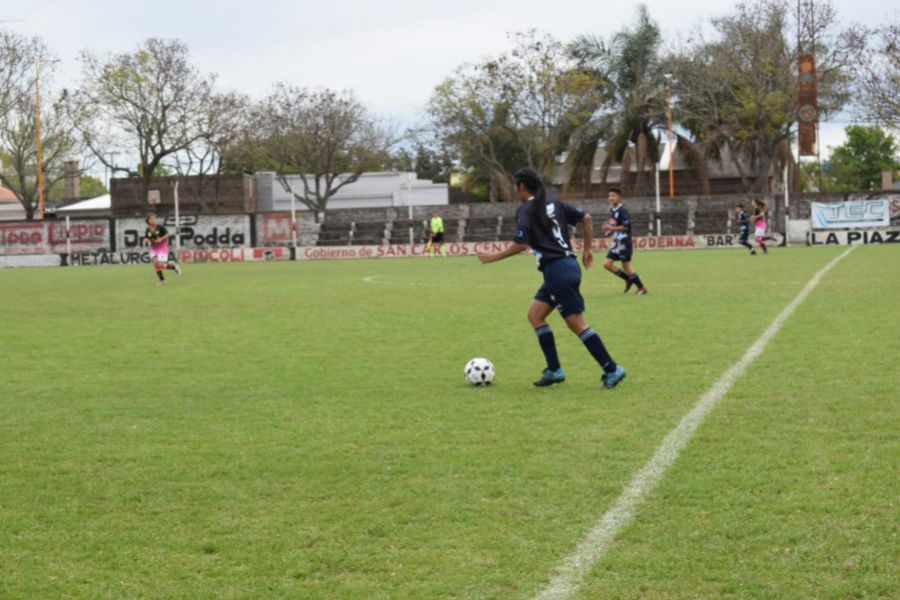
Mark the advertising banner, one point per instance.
(50, 236)
(666, 242)
(853, 238)
(851, 215)
(207, 255)
(214, 231)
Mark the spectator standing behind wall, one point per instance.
(436, 236)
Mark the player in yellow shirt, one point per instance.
(436, 237)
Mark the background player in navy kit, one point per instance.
(744, 225)
(544, 226)
(620, 225)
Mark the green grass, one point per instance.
(287, 429)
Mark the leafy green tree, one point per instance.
(737, 91)
(91, 187)
(878, 78)
(328, 137)
(858, 162)
(152, 103)
(517, 109)
(18, 125)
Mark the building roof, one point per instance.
(98, 203)
(6, 195)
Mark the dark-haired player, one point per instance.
(543, 225)
(744, 228)
(759, 223)
(620, 225)
(158, 236)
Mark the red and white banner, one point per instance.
(50, 236)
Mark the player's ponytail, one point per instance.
(534, 184)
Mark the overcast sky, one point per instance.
(392, 53)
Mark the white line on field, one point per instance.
(570, 574)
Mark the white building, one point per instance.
(371, 190)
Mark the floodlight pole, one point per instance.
(787, 207)
(658, 208)
(40, 146)
(671, 140)
(409, 208)
(177, 221)
(294, 217)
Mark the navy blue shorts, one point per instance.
(621, 251)
(562, 286)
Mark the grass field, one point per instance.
(304, 430)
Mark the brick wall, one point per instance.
(226, 194)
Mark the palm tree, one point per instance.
(631, 69)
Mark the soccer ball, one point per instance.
(480, 371)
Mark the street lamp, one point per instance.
(671, 140)
(37, 120)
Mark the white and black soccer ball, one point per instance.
(480, 371)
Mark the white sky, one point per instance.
(392, 53)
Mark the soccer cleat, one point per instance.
(549, 377)
(611, 380)
(628, 285)
(753, 253)
(642, 291)
(177, 268)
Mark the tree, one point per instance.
(327, 137)
(857, 163)
(879, 78)
(152, 104)
(629, 65)
(18, 123)
(91, 187)
(738, 91)
(518, 109)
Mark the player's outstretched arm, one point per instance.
(514, 248)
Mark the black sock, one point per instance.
(548, 345)
(591, 340)
(747, 244)
(622, 274)
(160, 275)
(637, 280)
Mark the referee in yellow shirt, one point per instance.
(437, 235)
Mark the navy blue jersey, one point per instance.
(547, 245)
(743, 220)
(619, 217)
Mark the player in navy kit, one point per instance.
(620, 226)
(543, 225)
(744, 225)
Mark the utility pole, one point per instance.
(671, 136)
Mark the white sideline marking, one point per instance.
(571, 573)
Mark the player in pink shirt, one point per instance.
(759, 223)
(158, 236)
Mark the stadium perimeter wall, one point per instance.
(268, 236)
